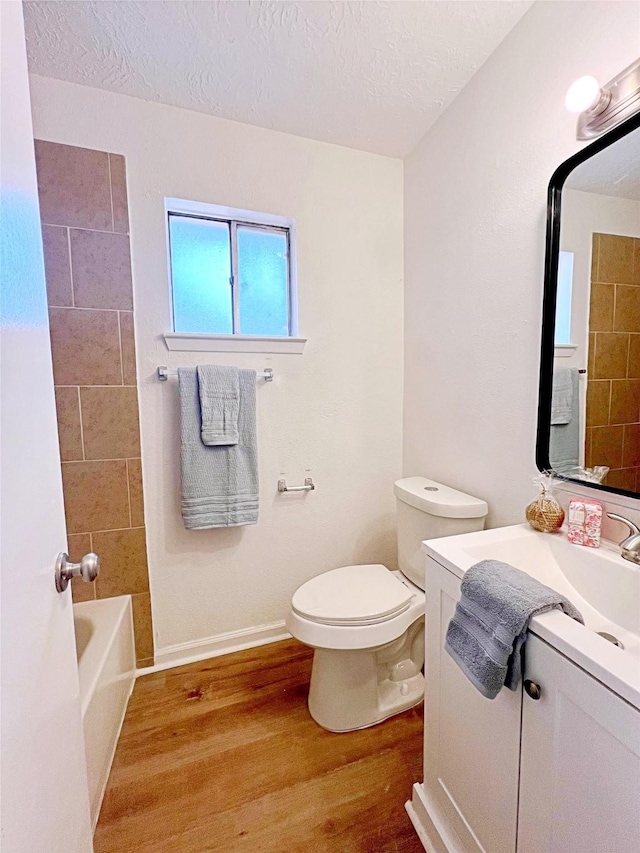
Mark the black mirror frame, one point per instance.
(552, 250)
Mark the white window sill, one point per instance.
(565, 350)
(188, 342)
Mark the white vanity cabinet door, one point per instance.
(580, 762)
(472, 744)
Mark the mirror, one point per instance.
(589, 404)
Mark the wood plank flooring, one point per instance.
(223, 756)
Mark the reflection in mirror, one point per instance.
(594, 432)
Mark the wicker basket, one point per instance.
(545, 513)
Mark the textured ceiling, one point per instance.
(368, 75)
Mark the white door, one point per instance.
(45, 804)
(580, 763)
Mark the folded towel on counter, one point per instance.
(486, 635)
(219, 404)
(219, 483)
(562, 396)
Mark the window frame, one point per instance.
(236, 340)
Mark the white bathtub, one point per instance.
(106, 668)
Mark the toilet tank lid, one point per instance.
(437, 499)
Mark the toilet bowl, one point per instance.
(366, 623)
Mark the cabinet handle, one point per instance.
(532, 689)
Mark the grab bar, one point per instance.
(308, 486)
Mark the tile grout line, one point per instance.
(126, 462)
(110, 459)
(120, 345)
(93, 533)
(113, 224)
(73, 293)
(84, 457)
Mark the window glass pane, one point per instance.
(563, 298)
(263, 269)
(200, 274)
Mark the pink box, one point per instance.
(584, 522)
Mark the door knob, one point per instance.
(532, 689)
(88, 569)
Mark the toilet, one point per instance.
(366, 623)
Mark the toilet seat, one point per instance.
(320, 635)
(352, 596)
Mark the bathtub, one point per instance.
(106, 669)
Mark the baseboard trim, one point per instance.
(211, 647)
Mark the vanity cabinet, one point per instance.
(580, 762)
(560, 774)
(472, 745)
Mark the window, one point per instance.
(563, 299)
(232, 272)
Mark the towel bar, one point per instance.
(308, 486)
(164, 373)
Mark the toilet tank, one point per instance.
(427, 510)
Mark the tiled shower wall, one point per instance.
(613, 390)
(85, 229)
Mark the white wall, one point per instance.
(475, 205)
(335, 411)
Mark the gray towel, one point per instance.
(487, 633)
(561, 397)
(219, 484)
(564, 438)
(219, 404)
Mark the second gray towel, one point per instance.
(219, 484)
(219, 404)
(489, 627)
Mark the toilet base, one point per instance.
(357, 688)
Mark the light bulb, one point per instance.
(582, 94)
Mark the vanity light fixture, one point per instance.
(602, 108)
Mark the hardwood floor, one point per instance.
(223, 756)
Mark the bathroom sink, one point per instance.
(603, 586)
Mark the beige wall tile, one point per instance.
(101, 267)
(73, 186)
(601, 307)
(606, 446)
(594, 257)
(587, 446)
(123, 554)
(143, 627)
(78, 545)
(615, 259)
(627, 315)
(134, 469)
(631, 446)
(636, 261)
(610, 360)
(127, 340)
(625, 402)
(119, 193)
(591, 356)
(633, 371)
(85, 347)
(55, 241)
(69, 429)
(96, 496)
(110, 424)
(598, 396)
(621, 478)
